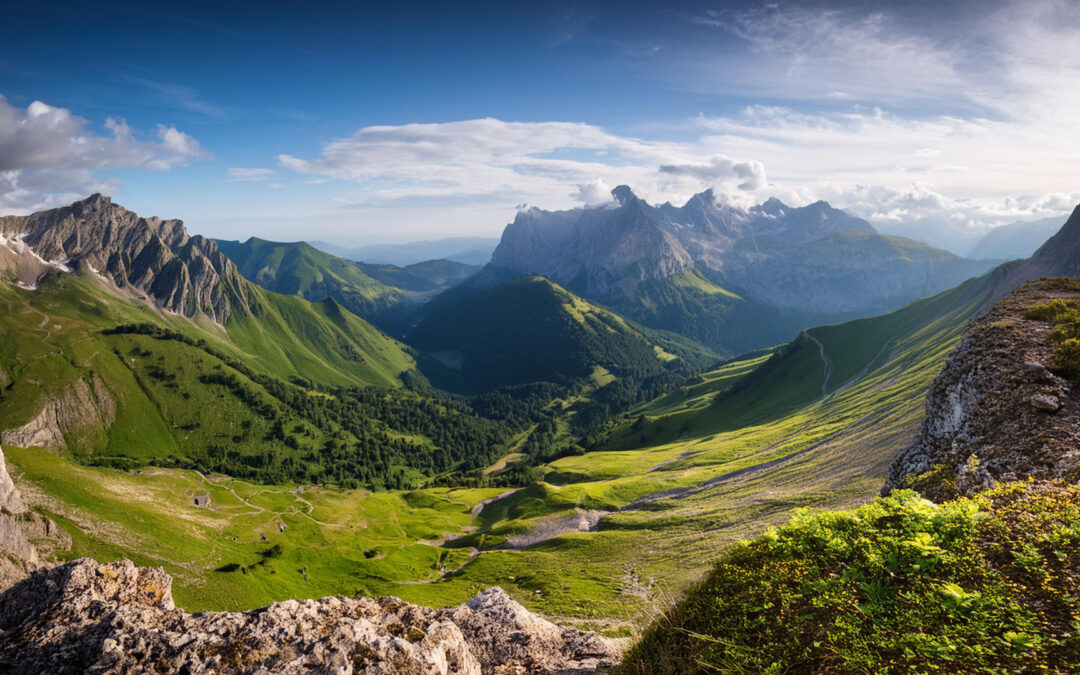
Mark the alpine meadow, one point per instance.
(714, 336)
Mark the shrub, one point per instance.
(988, 584)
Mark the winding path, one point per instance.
(826, 361)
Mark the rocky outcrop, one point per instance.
(84, 409)
(996, 412)
(180, 273)
(22, 533)
(89, 617)
(600, 252)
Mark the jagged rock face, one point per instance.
(849, 271)
(810, 259)
(181, 273)
(996, 412)
(599, 252)
(88, 617)
(10, 500)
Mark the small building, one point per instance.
(202, 500)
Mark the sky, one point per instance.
(360, 124)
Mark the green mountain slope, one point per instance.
(982, 581)
(113, 381)
(382, 294)
(533, 330)
(692, 305)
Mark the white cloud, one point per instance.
(594, 193)
(241, 174)
(48, 154)
(722, 169)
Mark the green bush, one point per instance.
(1065, 317)
(987, 584)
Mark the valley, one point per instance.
(589, 466)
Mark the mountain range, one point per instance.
(710, 270)
(1014, 241)
(581, 436)
(386, 295)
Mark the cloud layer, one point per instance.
(927, 132)
(48, 155)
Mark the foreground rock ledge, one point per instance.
(118, 618)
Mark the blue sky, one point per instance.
(392, 123)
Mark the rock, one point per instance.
(507, 638)
(1045, 402)
(83, 409)
(25, 537)
(10, 500)
(183, 274)
(1037, 372)
(995, 413)
(115, 617)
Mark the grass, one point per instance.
(736, 451)
(1064, 316)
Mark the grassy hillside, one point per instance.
(533, 330)
(692, 305)
(114, 382)
(298, 268)
(385, 295)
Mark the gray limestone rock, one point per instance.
(118, 618)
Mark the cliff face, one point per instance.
(599, 252)
(996, 412)
(22, 533)
(181, 273)
(88, 617)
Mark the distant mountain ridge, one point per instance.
(385, 295)
(705, 269)
(468, 250)
(1016, 240)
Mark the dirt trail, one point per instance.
(826, 361)
(258, 509)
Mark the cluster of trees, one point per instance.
(381, 438)
(373, 437)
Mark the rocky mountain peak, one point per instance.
(624, 195)
(773, 207)
(183, 274)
